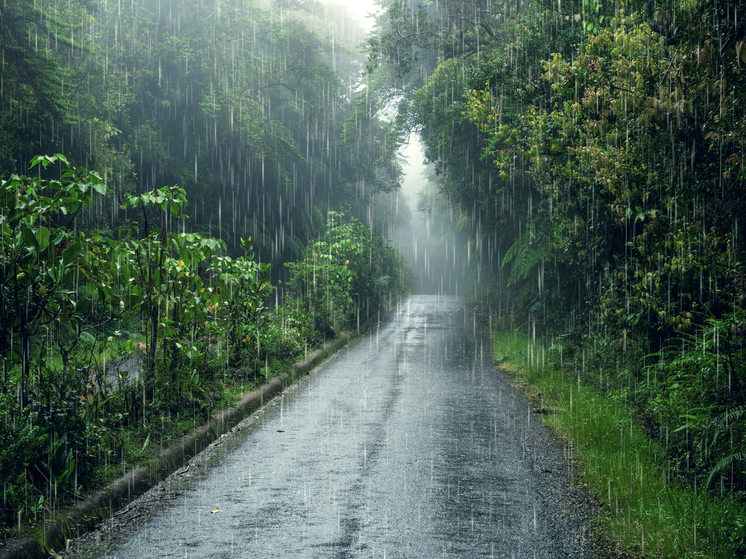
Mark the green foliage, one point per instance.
(346, 277)
(53, 285)
(595, 153)
(259, 118)
(193, 320)
(149, 97)
(526, 258)
(244, 286)
(34, 90)
(645, 509)
(41, 259)
(20, 446)
(694, 393)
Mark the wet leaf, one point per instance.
(71, 253)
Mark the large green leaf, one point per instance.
(42, 237)
(30, 239)
(71, 253)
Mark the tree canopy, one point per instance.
(255, 108)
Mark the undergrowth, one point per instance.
(647, 508)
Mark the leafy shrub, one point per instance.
(347, 275)
(21, 446)
(200, 311)
(283, 343)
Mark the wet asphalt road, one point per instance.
(406, 444)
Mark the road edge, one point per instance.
(72, 521)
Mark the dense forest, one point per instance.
(592, 154)
(255, 109)
(595, 152)
(204, 151)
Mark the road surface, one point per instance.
(407, 444)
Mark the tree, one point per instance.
(44, 262)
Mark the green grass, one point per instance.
(644, 510)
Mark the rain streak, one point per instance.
(382, 278)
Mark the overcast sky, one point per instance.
(359, 8)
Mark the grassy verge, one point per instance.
(646, 511)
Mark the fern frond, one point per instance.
(526, 253)
(731, 415)
(718, 427)
(719, 424)
(724, 463)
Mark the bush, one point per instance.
(21, 446)
(197, 312)
(347, 275)
(283, 343)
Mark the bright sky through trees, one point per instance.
(360, 9)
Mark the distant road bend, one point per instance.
(407, 444)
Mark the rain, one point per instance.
(383, 278)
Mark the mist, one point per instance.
(431, 242)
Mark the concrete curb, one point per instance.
(72, 521)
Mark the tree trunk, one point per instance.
(150, 376)
(25, 365)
